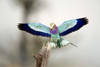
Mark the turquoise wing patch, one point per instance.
(39, 27)
(67, 25)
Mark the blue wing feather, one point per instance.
(27, 28)
(80, 22)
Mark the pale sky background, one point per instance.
(87, 54)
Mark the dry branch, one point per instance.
(43, 56)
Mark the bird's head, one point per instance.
(52, 25)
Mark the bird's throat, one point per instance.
(54, 30)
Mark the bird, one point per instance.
(54, 32)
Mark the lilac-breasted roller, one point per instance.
(53, 31)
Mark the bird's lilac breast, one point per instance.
(55, 31)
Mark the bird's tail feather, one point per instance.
(61, 43)
(64, 42)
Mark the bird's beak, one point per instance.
(51, 25)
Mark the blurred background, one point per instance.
(16, 47)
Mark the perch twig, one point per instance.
(43, 56)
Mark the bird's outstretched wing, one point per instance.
(71, 26)
(35, 29)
